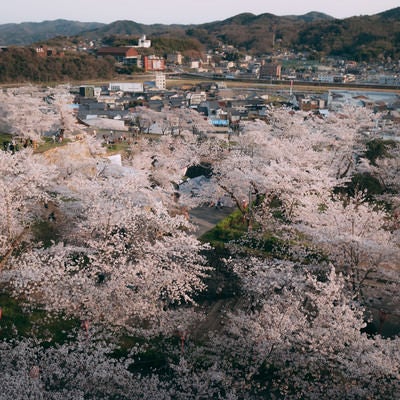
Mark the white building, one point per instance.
(143, 42)
(325, 78)
(194, 99)
(161, 81)
(195, 64)
(127, 87)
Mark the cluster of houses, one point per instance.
(226, 62)
(127, 55)
(113, 106)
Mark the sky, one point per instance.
(178, 11)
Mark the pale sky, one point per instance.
(178, 11)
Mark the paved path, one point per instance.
(207, 217)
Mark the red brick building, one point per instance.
(154, 63)
(126, 55)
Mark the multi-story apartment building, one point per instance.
(154, 63)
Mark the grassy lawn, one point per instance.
(48, 144)
(230, 228)
(264, 244)
(4, 137)
(118, 147)
(19, 321)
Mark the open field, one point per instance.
(315, 87)
(184, 80)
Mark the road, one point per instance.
(207, 217)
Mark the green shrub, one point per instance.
(378, 148)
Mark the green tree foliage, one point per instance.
(378, 148)
(160, 45)
(24, 65)
(168, 45)
(363, 38)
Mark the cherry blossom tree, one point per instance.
(72, 370)
(126, 263)
(29, 112)
(283, 161)
(295, 335)
(24, 186)
(121, 263)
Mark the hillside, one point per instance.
(256, 33)
(30, 32)
(126, 27)
(362, 38)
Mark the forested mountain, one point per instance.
(126, 27)
(31, 32)
(362, 38)
(256, 33)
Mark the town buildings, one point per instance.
(125, 55)
(153, 63)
